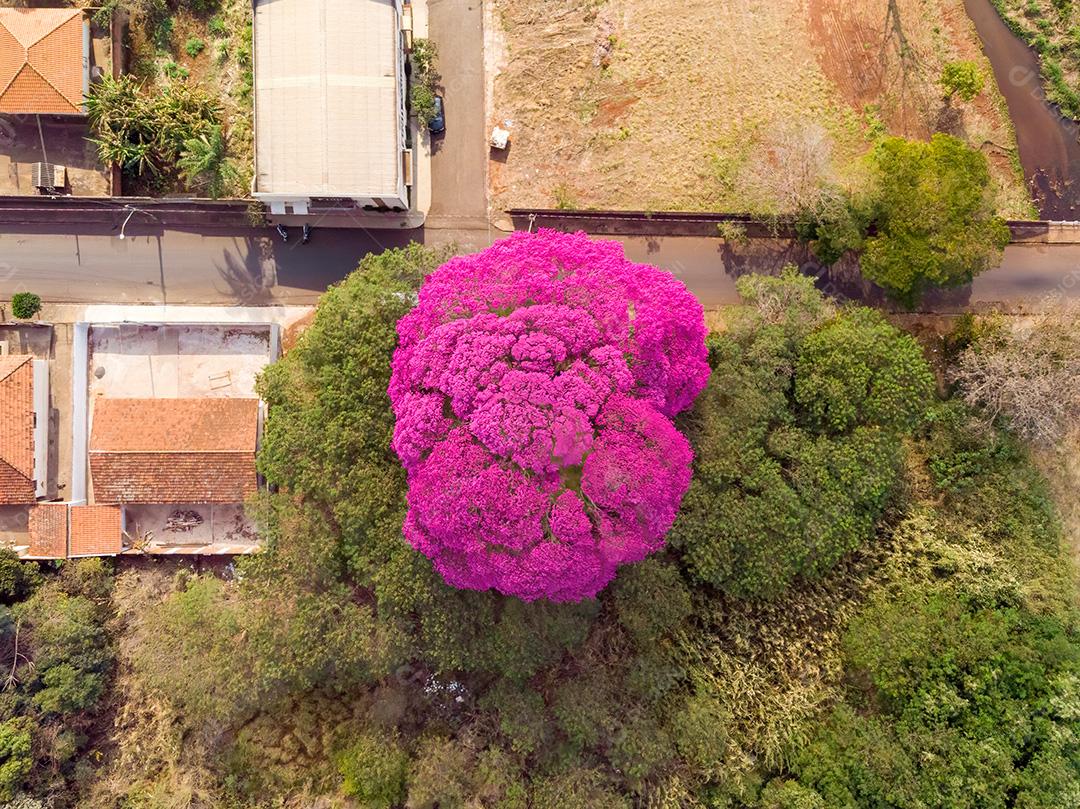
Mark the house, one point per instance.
(44, 61)
(173, 450)
(330, 118)
(24, 424)
(176, 472)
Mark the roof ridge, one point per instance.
(25, 64)
(15, 366)
(73, 12)
(45, 79)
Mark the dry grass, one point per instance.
(658, 104)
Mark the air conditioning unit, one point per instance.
(48, 175)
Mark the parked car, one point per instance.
(437, 124)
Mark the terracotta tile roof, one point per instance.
(173, 450)
(48, 526)
(17, 430)
(41, 60)
(95, 530)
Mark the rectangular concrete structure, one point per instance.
(330, 116)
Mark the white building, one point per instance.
(330, 119)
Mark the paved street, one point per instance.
(180, 267)
(459, 156)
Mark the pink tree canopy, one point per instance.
(534, 386)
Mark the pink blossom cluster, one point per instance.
(534, 386)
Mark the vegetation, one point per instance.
(150, 133)
(798, 438)
(928, 219)
(423, 79)
(1050, 28)
(58, 656)
(168, 43)
(1029, 375)
(963, 79)
(25, 304)
(924, 651)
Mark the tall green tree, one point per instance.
(797, 439)
(933, 217)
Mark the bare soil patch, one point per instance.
(703, 105)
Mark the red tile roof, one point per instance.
(173, 450)
(95, 530)
(41, 60)
(48, 524)
(17, 430)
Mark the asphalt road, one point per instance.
(459, 156)
(179, 267)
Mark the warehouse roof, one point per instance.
(327, 102)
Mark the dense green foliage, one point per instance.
(926, 220)
(962, 79)
(58, 657)
(924, 650)
(151, 133)
(934, 218)
(797, 438)
(423, 79)
(25, 304)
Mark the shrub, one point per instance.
(194, 46)
(1030, 376)
(143, 132)
(423, 79)
(217, 27)
(963, 79)
(374, 768)
(25, 304)
(18, 580)
(16, 759)
(522, 393)
(965, 705)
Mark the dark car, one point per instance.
(437, 124)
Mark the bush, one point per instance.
(423, 79)
(374, 768)
(16, 759)
(194, 46)
(18, 580)
(963, 79)
(25, 304)
(964, 706)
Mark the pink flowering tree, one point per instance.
(534, 388)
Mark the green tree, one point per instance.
(962, 705)
(25, 304)
(933, 215)
(797, 439)
(16, 759)
(963, 79)
(18, 580)
(374, 768)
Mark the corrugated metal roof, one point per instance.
(327, 101)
